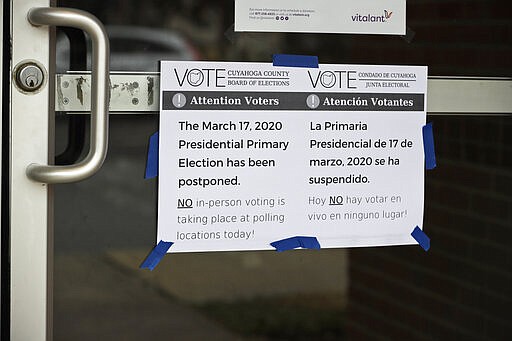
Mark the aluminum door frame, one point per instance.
(31, 225)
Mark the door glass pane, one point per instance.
(105, 226)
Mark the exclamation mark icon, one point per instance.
(179, 100)
(313, 101)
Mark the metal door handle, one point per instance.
(99, 95)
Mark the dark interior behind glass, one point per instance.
(460, 289)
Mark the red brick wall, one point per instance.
(462, 288)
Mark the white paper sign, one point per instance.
(321, 16)
(251, 154)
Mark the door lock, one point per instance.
(29, 77)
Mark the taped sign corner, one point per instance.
(296, 242)
(152, 160)
(292, 60)
(428, 146)
(421, 237)
(156, 255)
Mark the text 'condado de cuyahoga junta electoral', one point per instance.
(250, 153)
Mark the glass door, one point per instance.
(104, 226)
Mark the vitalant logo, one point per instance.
(372, 18)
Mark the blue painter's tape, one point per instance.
(152, 162)
(421, 238)
(428, 146)
(156, 255)
(296, 242)
(293, 60)
(309, 243)
(286, 244)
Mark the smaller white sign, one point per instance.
(321, 16)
